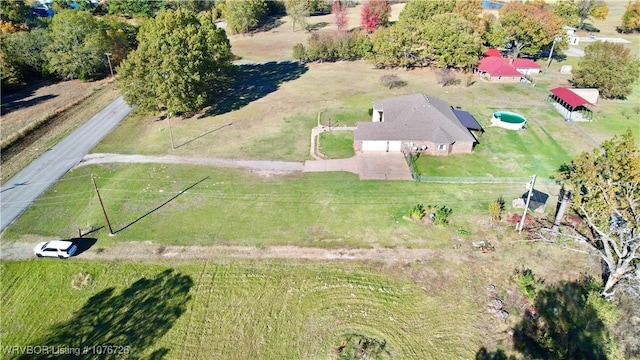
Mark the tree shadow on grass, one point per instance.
(10, 106)
(135, 318)
(255, 81)
(561, 325)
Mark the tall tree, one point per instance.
(193, 5)
(15, 11)
(631, 18)
(26, 51)
(339, 10)
(608, 67)
(121, 36)
(493, 34)
(418, 11)
(135, 8)
(242, 16)
(566, 10)
(181, 61)
(606, 194)
(394, 46)
(374, 13)
(298, 10)
(587, 9)
(528, 27)
(78, 46)
(9, 74)
(471, 10)
(452, 42)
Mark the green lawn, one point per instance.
(503, 153)
(336, 144)
(236, 207)
(236, 310)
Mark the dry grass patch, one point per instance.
(21, 109)
(60, 119)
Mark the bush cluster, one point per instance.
(333, 47)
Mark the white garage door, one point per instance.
(395, 146)
(372, 145)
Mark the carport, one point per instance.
(570, 105)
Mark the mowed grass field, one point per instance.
(259, 309)
(235, 207)
(233, 310)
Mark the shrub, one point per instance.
(446, 77)
(333, 47)
(392, 80)
(299, 52)
(442, 215)
(496, 208)
(527, 283)
(417, 212)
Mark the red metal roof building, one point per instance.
(571, 105)
(497, 69)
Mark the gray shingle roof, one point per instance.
(415, 117)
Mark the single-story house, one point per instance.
(497, 69)
(526, 66)
(571, 104)
(417, 122)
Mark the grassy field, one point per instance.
(235, 310)
(271, 309)
(336, 144)
(147, 202)
(263, 309)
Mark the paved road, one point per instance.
(21, 190)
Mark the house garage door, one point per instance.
(395, 146)
(371, 145)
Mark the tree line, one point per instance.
(445, 34)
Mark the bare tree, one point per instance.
(606, 195)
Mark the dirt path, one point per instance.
(148, 250)
(265, 167)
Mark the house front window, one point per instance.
(442, 147)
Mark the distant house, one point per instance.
(493, 67)
(417, 122)
(497, 69)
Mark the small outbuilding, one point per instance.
(571, 105)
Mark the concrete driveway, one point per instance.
(368, 166)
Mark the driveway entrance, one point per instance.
(369, 166)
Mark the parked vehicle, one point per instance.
(57, 248)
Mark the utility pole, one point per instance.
(109, 60)
(555, 40)
(102, 205)
(526, 205)
(564, 202)
(171, 132)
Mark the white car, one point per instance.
(57, 248)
